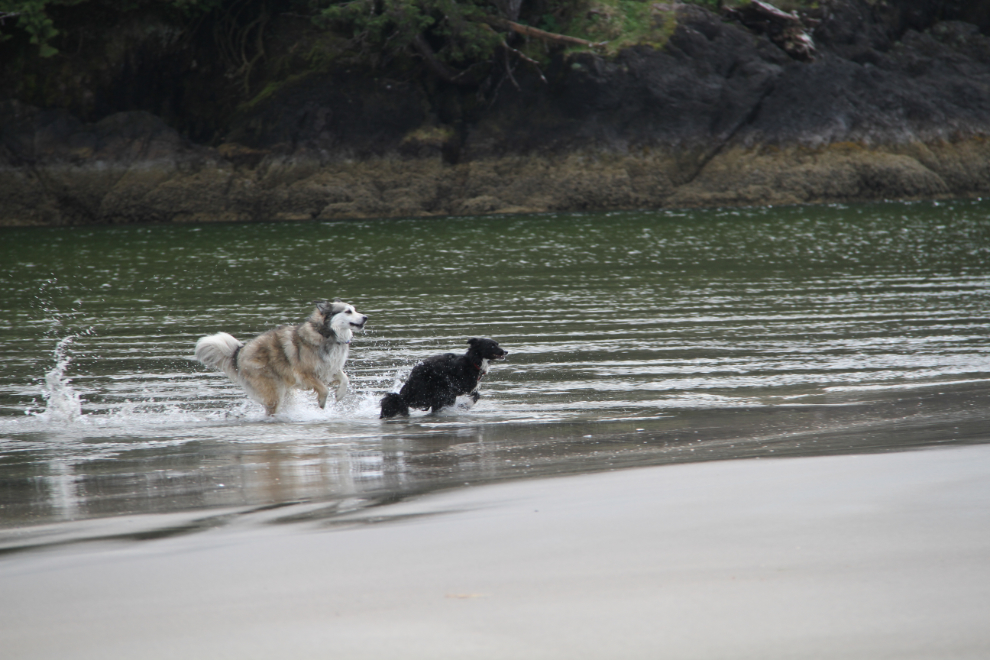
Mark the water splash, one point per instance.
(62, 402)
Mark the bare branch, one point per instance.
(509, 71)
(525, 58)
(537, 33)
(438, 67)
(518, 54)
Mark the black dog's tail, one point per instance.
(393, 405)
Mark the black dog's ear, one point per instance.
(473, 340)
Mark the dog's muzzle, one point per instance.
(360, 326)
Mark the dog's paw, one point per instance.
(475, 396)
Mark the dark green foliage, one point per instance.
(30, 16)
(33, 16)
(455, 30)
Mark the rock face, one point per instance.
(720, 115)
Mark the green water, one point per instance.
(634, 338)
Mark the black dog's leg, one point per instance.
(443, 402)
(475, 396)
(392, 405)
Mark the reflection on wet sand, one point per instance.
(410, 458)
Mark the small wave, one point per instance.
(903, 386)
(64, 412)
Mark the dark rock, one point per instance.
(895, 104)
(348, 114)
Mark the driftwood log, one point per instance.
(785, 29)
(537, 33)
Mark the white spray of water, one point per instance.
(62, 403)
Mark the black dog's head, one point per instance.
(486, 349)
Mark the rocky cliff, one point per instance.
(894, 104)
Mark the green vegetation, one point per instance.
(457, 32)
(34, 16)
(395, 25)
(197, 62)
(623, 23)
(462, 33)
(452, 37)
(29, 16)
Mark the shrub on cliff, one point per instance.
(34, 16)
(29, 16)
(462, 29)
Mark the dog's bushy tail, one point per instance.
(393, 405)
(218, 351)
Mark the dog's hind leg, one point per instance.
(442, 402)
(269, 394)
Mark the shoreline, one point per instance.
(301, 188)
(880, 555)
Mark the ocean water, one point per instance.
(635, 338)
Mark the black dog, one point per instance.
(437, 381)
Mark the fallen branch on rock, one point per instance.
(783, 28)
(537, 33)
(451, 75)
(520, 55)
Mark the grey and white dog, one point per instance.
(308, 356)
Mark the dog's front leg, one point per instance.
(341, 381)
(322, 392)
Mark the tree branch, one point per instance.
(442, 70)
(537, 33)
(519, 54)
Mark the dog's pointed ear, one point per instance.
(324, 306)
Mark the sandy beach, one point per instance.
(861, 556)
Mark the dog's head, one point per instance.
(486, 349)
(339, 319)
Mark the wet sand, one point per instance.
(862, 556)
